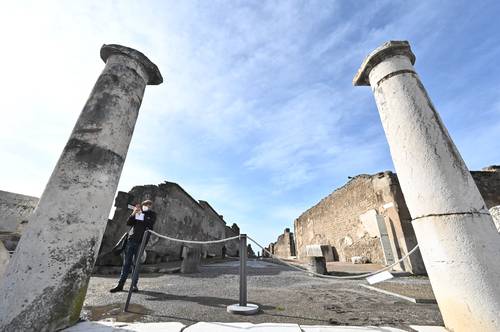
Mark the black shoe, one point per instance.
(118, 288)
(135, 289)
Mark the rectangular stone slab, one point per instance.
(238, 327)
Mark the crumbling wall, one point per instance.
(285, 245)
(335, 221)
(178, 216)
(15, 210)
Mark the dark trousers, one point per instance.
(130, 257)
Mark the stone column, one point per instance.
(456, 234)
(46, 281)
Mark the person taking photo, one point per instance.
(141, 219)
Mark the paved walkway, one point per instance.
(283, 294)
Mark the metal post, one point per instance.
(135, 273)
(243, 270)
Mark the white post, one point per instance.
(458, 240)
(46, 281)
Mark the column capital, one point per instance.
(154, 75)
(387, 50)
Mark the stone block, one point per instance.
(191, 258)
(359, 260)
(316, 264)
(314, 250)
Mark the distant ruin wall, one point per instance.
(335, 221)
(285, 245)
(15, 210)
(178, 216)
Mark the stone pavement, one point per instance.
(283, 294)
(104, 326)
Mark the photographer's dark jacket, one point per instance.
(139, 226)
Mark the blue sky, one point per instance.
(257, 114)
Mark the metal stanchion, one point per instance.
(243, 307)
(243, 270)
(135, 273)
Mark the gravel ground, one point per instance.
(283, 294)
(417, 289)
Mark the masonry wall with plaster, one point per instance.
(368, 217)
(178, 216)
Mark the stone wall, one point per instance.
(488, 183)
(284, 246)
(348, 218)
(335, 221)
(341, 219)
(15, 210)
(178, 216)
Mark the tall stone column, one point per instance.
(46, 281)
(456, 234)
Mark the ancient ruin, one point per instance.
(283, 247)
(179, 215)
(368, 217)
(45, 283)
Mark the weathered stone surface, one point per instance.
(344, 219)
(359, 260)
(455, 231)
(285, 245)
(320, 250)
(15, 210)
(178, 215)
(191, 258)
(336, 221)
(45, 283)
(316, 264)
(4, 260)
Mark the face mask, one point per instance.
(145, 208)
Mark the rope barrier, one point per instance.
(243, 263)
(192, 241)
(335, 277)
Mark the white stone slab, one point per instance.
(427, 328)
(107, 326)
(314, 250)
(320, 328)
(379, 277)
(238, 327)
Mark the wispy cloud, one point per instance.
(257, 114)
